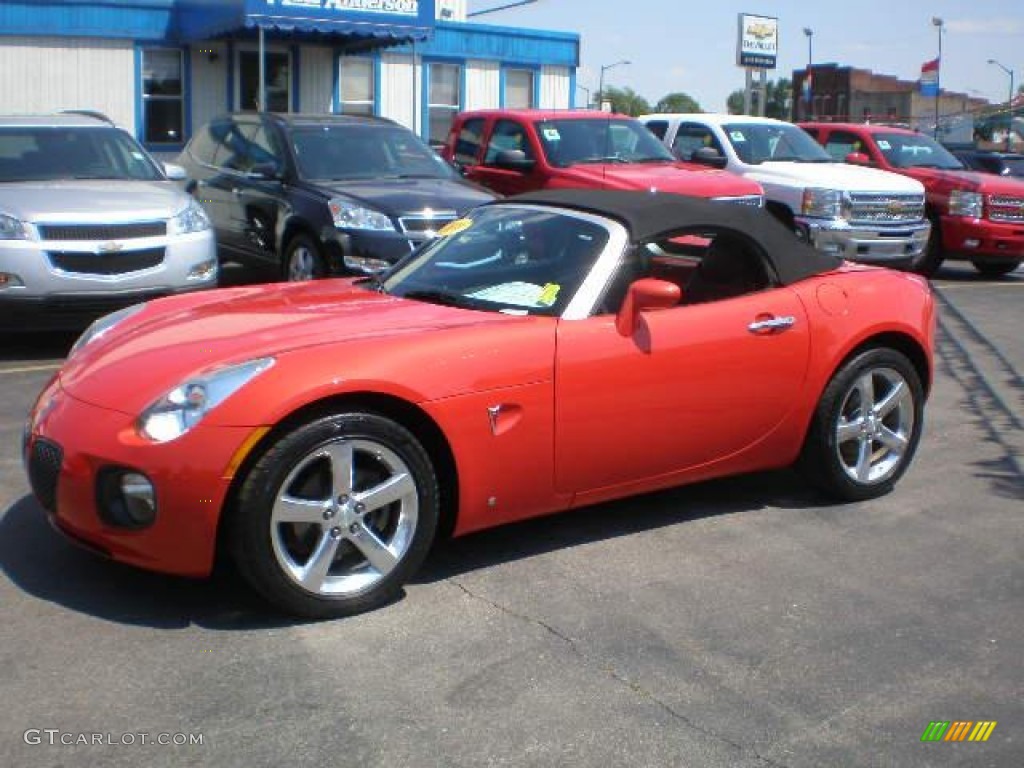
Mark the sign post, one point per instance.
(757, 48)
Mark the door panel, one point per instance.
(692, 386)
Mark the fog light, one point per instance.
(125, 498)
(8, 280)
(366, 264)
(204, 270)
(971, 243)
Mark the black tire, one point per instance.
(295, 477)
(997, 268)
(931, 258)
(826, 458)
(303, 259)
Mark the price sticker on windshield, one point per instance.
(883, 144)
(552, 134)
(454, 227)
(737, 136)
(549, 294)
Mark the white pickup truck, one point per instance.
(861, 214)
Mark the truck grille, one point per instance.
(121, 263)
(423, 225)
(44, 462)
(886, 209)
(103, 231)
(1004, 208)
(755, 201)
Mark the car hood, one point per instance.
(679, 178)
(91, 201)
(850, 178)
(975, 181)
(398, 196)
(173, 339)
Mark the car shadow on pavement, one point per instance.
(36, 345)
(783, 489)
(42, 563)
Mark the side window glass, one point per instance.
(658, 128)
(507, 135)
(467, 145)
(231, 148)
(262, 148)
(203, 146)
(840, 144)
(690, 137)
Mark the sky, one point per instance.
(683, 45)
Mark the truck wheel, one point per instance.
(996, 269)
(303, 260)
(931, 257)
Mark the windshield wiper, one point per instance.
(653, 160)
(440, 297)
(374, 283)
(609, 159)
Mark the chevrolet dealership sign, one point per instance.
(758, 43)
(390, 7)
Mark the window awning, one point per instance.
(383, 21)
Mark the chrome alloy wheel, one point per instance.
(344, 517)
(301, 264)
(875, 425)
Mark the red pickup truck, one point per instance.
(975, 216)
(514, 151)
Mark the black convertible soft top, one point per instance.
(653, 216)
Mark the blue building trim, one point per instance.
(336, 81)
(296, 63)
(424, 131)
(231, 77)
(186, 53)
(151, 21)
(501, 86)
(572, 88)
(506, 45)
(377, 71)
(139, 107)
(536, 87)
(140, 99)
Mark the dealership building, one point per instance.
(162, 68)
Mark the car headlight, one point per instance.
(822, 203)
(348, 215)
(964, 203)
(192, 218)
(103, 326)
(12, 228)
(183, 407)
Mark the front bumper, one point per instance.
(981, 239)
(891, 245)
(68, 442)
(350, 251)
(40, 289)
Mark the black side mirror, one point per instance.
(514, 160)
(708, 156)
(263, 172)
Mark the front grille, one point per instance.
(422, 226)
(44, 462)
(886, 209)
(103, 231)
(1004, 208)
(107, 263)
(755, 201)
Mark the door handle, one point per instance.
(772, 324)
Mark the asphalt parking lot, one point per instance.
(735, 623)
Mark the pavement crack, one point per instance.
(617, 676)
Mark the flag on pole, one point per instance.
(807, 85)
(930, 78)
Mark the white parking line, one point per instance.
(31, 368)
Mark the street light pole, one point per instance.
(808, 80)
(586, 91)
(938, 24)
(600, 87)
(1009, 103)
(484, 11)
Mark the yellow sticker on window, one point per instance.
(454, 227)
(549, 295)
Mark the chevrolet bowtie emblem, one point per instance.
(110, 247)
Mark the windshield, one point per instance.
(757, 143)
(1014, 166)
(520, 261)
(599, 140)
(52, 153)
(365, 151)
(915, 150)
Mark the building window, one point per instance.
(445, 98)
(519, 89)
(356, 83)
(163, 96)
(277, 75)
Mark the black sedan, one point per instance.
(999, 163)
(318, 195)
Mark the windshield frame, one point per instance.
(652, 151)
(384, 133)
(111, 139)
(588, 292)
(918, 138)
(815, 152)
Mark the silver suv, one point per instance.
(89, 222)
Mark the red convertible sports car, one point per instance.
(547, 352)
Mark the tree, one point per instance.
(626, 101)
(778, 104)
(678, 102)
